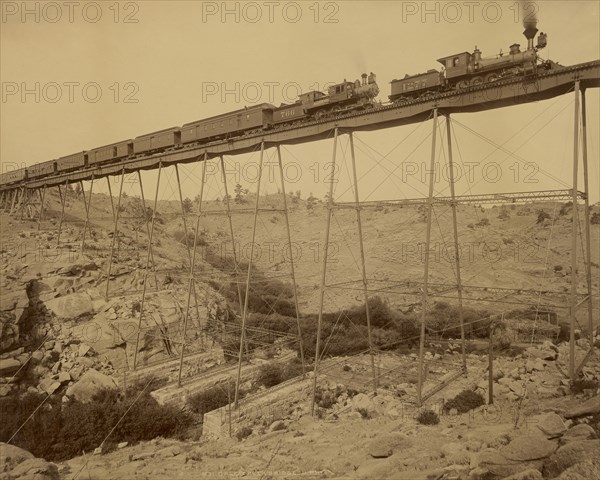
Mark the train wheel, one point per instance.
(462, 85)
(320, 114)
(476, 81)
(492, 77)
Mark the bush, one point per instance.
(464, 401)
(542, 216)
(581, 384)
(271, 374)
(428, 417)
(208, 400)
(72, 428)
(243, 433)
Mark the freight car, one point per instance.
(255, 118)
(157, 141)
(43, 169)
(110, 153)
(72, 162)
(13, 176)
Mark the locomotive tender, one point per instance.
(459, 71)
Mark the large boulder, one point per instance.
(589, 407)
(529, 447)
(571, 454)
(579, 432)
(35, 469)
(11, 456)
(9, 366)
(71, 306)
(550, 424)
(497, 464)
(90, 383)
(384, 446)
(13, 311)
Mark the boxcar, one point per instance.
(114, 151)
(412, 86)
(157, 140)
(221, 126)
(41, 169)
(71, 162)
(288, 113)
(11, 176)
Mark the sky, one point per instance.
(78, 75)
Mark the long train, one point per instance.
(459, 71)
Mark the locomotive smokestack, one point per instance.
(529, 22)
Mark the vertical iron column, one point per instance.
(424, 298)
(575, 225)
(324, 273)
(191, 283)
(292, 268)
(148, 255)
(115, 232)
(63, 201)
(588, 243)
(87, 204)
(248, 276)
(362, 262)
(456, 247)
(42, 198)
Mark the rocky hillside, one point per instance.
(64, 341)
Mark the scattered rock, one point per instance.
(589, 407)
(569, 455)
(550, 424)
(8, 367)
(70, 306)
(529, 474)
(84, 349)
(578, 432)
(528, 447)
(49, 385)
(11, 456)
(35, 469)
(383, 446)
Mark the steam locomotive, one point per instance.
(460, 71)
(466, 69)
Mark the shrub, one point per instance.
(364, 413)
(208, 400)
(595, 218)
(542, 216)
(464, 401)
(581, 384)
(72, 428)
(243, 433)
(428, 417)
